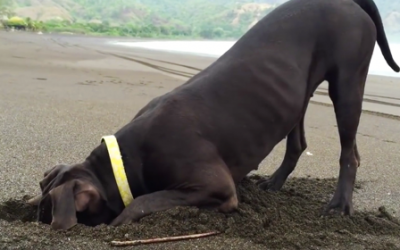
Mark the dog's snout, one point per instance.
(63, 225)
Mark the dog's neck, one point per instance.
(99, 164)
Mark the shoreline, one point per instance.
(157, 45)
(119, 42)
(214, 56)
(382, 93)
(391, 39)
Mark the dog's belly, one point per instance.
(244, 151)
(246, 127)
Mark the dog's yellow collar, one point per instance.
(118, 168)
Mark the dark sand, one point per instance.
(60, 94)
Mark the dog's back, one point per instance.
(253, 95)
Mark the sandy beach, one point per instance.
(59, 94)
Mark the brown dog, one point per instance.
(190, 146)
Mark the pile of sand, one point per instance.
(288, 219)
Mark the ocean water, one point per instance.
(217, 48)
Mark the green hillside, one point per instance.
(159, 18)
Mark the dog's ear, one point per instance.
(69, 198)
(87, 197)
(63, 206)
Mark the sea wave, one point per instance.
(215, 49)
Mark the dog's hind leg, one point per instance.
(346, 92)
(295, 146)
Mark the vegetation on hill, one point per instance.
(157, 18)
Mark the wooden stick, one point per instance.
(159, 240)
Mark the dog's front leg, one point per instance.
(210, 187)
(163, 200)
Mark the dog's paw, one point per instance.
(270, 184)
(340, 206)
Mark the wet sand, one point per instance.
(60, 94)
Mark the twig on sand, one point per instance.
(159, 240)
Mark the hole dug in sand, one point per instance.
(289, 219)
(17, 210)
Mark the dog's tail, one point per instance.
(371, 9)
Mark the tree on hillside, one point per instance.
(165, 18)
(6, 9)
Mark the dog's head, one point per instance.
(70, 195)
